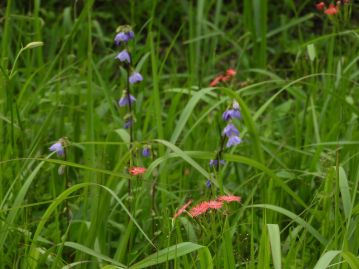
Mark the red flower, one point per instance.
(216, 81)
(320, 6)
(182, 209)
(215, 204)
(332, 10)
(228, 75)
(199, 209)
(230, 72)
(136, 170)
(229, 198)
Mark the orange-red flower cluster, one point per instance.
(204, 206)
(229, 198)
(223, 77)
(136, 170)
(332, 9)
(182, 209)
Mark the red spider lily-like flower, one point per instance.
(332, 10)
(229, 198)
(136, 170)
(230, 72)
(320, 6)
(221, 78)
(199, 209)
(216, 80)
(215, 204)
(182, 209)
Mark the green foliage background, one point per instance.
(296, 170)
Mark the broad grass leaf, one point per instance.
(171, 253)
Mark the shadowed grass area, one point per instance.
(296, 168)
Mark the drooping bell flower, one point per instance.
(233, 141)
(58, 148)
(124, 56)
(135, 77)
(126, 99)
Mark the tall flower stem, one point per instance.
(131, 125)
(219, 158)
(67, 185)
(128, 69)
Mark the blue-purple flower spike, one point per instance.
(124, 101)
(124, 56)
(208, 183)
(230, 130)
(135, 77)
(231, 114)
(121, 37)
(124, 37)
(128, 124)
(233, 141)
(58, 148)
(146, 152)
(130, 35)
(214, 163)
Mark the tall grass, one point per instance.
(296, 169)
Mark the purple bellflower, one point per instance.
(125, 100)
(230, 130)
(135, 77)
(146, 152)
(231, 114)
(123, 37)
(124, 56)
(214, 163)
(233, 141)
(58, 148)
(208, 183)
(128, 124)
(131, 35)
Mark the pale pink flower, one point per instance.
(136, 170)
(229, 198)
(215, 204)
(182, 209)
(199, 209)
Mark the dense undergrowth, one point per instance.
(296, 168)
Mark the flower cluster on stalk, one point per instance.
(331, 9)
(122, 38)
(229, 74)
(206, 206)
(230, 131)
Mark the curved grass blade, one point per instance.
(184, 156)
(295, 218)
(274, 239)
(172, 253)
(326, 259)
(187, 111)
(351, 259)
(253, 163)
(344, 190)
(93, 253)
(71, 164)
(16, 204)
(63, 196)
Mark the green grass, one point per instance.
(297, 169)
